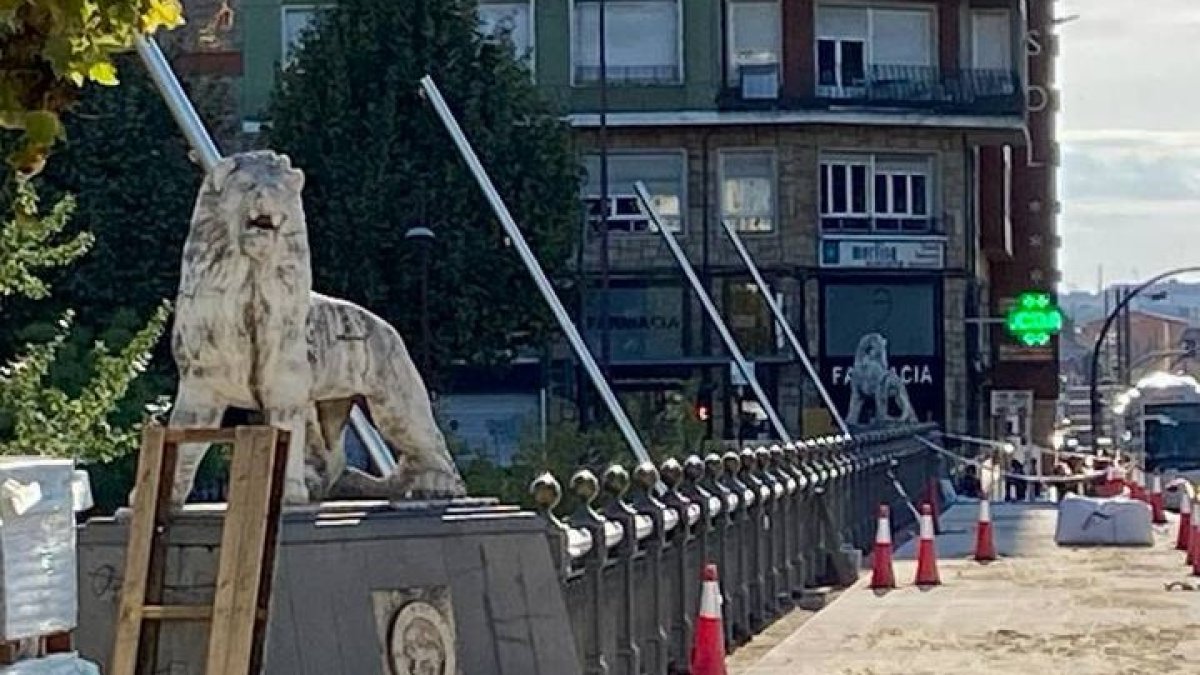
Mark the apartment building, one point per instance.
(889, 163)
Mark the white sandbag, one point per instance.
(38, 582)
(1118, 521)
(58, 664)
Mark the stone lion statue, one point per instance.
(250, 333)
(872, 379)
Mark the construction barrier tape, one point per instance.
(1076, 478)
(904, 495)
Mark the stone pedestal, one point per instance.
(462, 588)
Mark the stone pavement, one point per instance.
(1039, 610)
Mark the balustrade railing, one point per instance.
(776, 520)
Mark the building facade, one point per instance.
(889, 164)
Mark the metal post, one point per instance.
(785, 326)
(208, 155)
(177, 101)
(713, 314)
(535, 269)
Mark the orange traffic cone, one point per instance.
(927, 571)
(1156, 500)
(882, 575)
(1185, 523)
(1193, 551)
(985, 547)
(708, 648)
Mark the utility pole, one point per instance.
(605, 338)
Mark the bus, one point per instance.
(1161, 417)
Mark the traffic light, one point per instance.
(704, 407)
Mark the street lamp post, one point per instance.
(1093, 388)
(423, 238)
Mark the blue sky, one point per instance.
(1130, 135)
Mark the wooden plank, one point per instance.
(243, 542)
(177, 612)
(200, 435)
(137, 557)
(181, 613)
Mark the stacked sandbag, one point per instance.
(38, 579)
(1117, 521)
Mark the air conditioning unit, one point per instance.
(759, 80)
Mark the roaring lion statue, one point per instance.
(250, 333)
(872, 379)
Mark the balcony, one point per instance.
(918, 88)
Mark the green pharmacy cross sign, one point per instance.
(1034, 319)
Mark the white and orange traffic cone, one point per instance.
(1193, 544)
(985, 546)
(708, 647)
(927, 571)
(882, 575)
(1156, 500)
(1185, 523)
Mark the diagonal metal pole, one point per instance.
(535, 269)
(208, 155)
(705, 300)
(786, 327)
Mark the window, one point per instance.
(642, 41)
(662, 172)
(296, 20)
(511, 19)
(753, 37)
(860, 46)
(896, 199)
(748, 190)
(750, 319)
(991, 40)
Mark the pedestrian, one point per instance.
(1035, 485)
(1015, 485)
(969, 485)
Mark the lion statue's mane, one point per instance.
(249, 333)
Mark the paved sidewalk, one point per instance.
(1040, 610)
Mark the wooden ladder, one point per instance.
(238, 614)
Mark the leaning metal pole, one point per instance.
(181, 108)
(786, 327)
(535, 269)
(208, 155)
(713, 314)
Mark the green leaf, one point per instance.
(43, 127)
(103, 73)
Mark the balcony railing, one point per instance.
(963, 90)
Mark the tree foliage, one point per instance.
(65, 393)
(378, 161)
(51, 48)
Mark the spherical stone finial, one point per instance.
(585, 486)
(763, 455)
(693, 468)
(672, 471)
(646, 475)
(714, 465)
(777, 456)
(616, 480)
(749, 459)
(731, 462)
(546, 491)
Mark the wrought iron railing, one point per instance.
(963, 90)
(776, 521)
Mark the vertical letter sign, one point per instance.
(1034, 319)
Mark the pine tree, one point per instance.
(378, 161)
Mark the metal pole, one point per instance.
(207, 153)
(713, 314)
(1093, 385)
(786, 327)
(535, 268)
(177, 101)
(605, 253)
